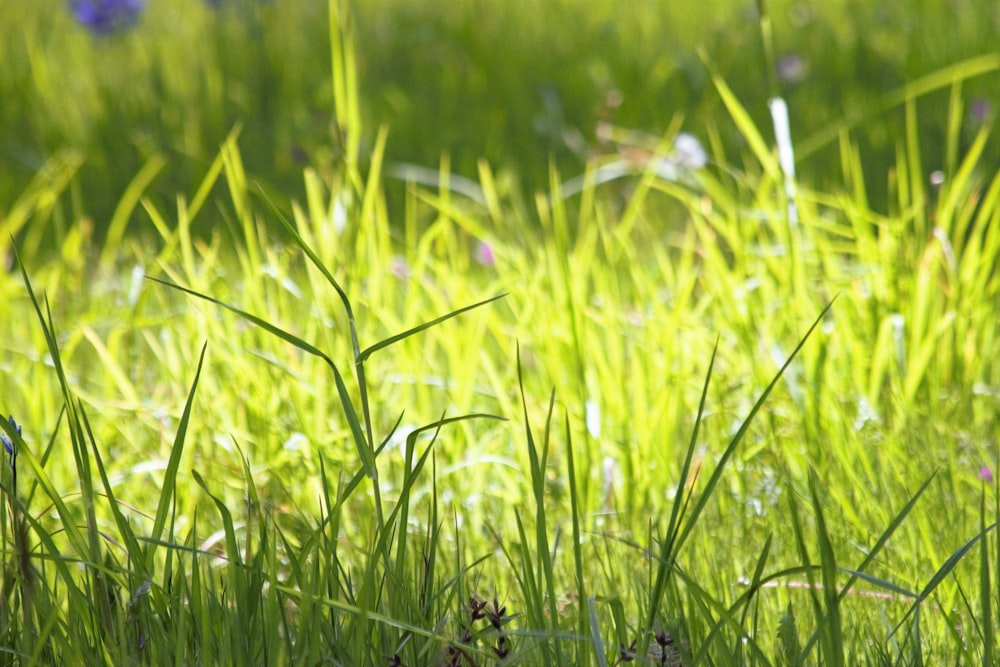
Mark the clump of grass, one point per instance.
(330, 487)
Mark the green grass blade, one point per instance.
(382, 344)
(682, 497)
(581, 581)
(986, 589)
(832, 625)
(941, 574)
(703, 499)
(365, 453)
(173, 464)
(942, 78)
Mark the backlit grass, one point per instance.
(646, 420)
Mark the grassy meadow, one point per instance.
(393, 333)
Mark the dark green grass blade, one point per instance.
(986, 589)
(890, 587)
(807, 568)
(366, 458)
(368, 351)
(170, 475)
(124, 527)
(318, 263)
(48, 329)
(758, 573)
(831, 621)
(410, 476)
(677, 534)
(538, 461)
(876, 549)
(941, 574)
(710, 607)
(360, 439)
(263, 324)
(682, 497)
(581, 587)
(716, 476)
(872, 555)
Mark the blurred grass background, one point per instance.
(516, 83)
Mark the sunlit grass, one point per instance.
(879, 427)
(634, 419)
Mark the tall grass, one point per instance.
(643, 421)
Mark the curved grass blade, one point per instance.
(368, 351)
(741, 432)
(365, 452)
(170, 476)
(941, 574)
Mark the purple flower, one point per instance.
(986, 475)
(103, 17)
(484, 254)
(7, 444)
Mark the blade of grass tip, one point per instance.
(344, 84)
(173, 464)
(941, 574)
(48, 330)
(956, 119)
(69, 405)
(742, 120)
(872, 554)
(318, 263)
(942, 78)
(252, 499)
(361, 442)
(622, 626)
(526, 574)
(759, 582)
(371, 189)
(767, 42)
(710, 607)
(537, 464)
(411, 473)
(359, 365)
(488, 186)
(741, 432)
(44, 535)
(752, 602)
(126, 205)
(212, 174)
(682, 496)
(367, 352)
(758, 573)
(234, 570)
(432, 538)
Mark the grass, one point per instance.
(652, 423)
